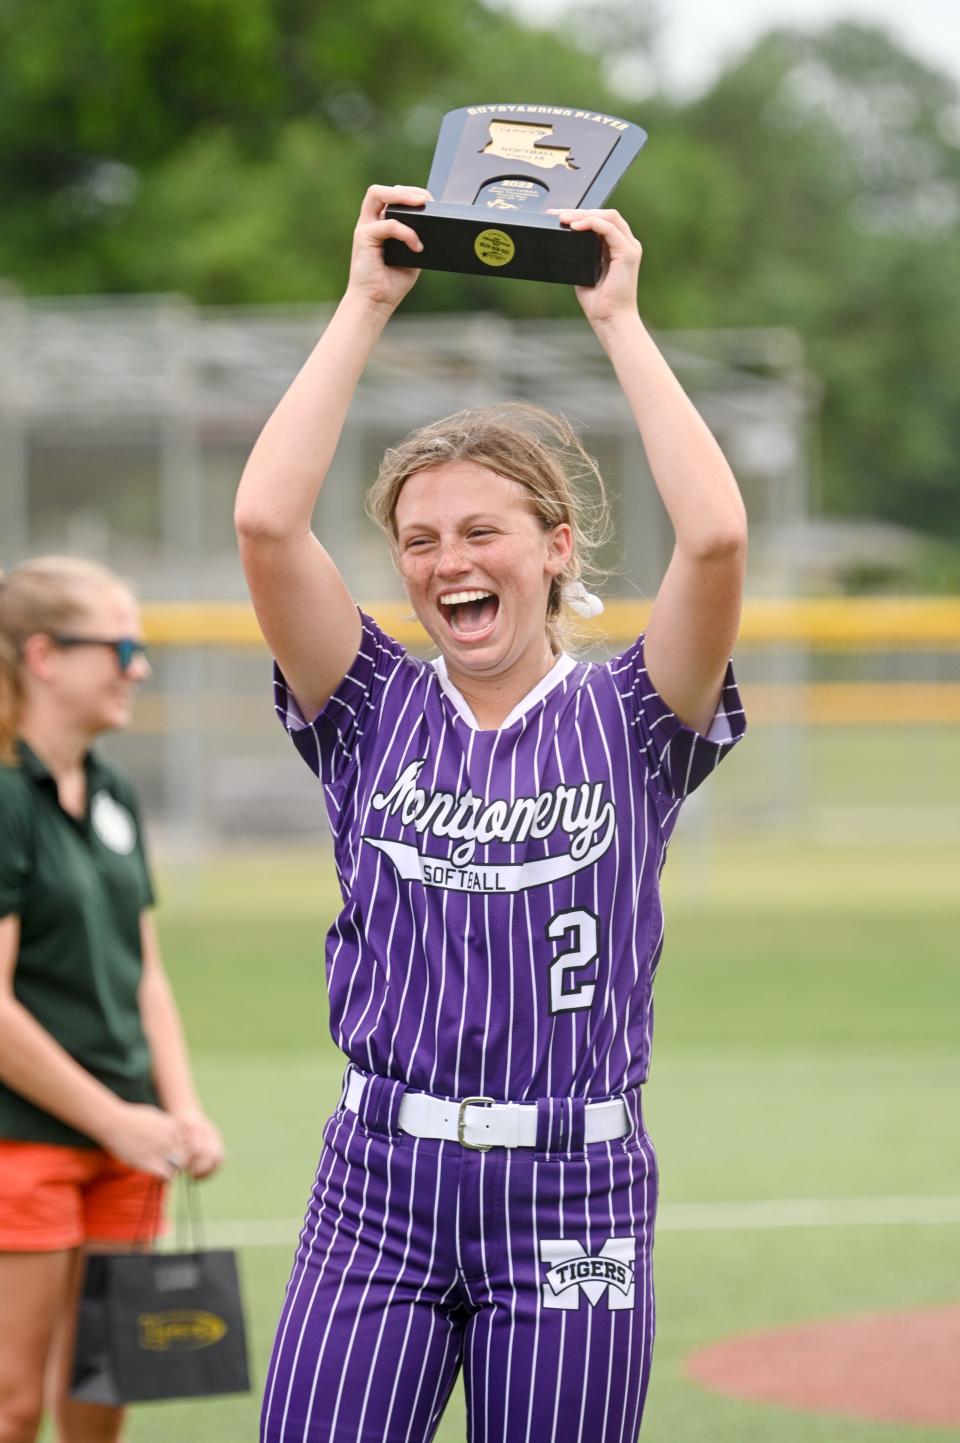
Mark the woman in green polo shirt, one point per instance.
(97, 1104)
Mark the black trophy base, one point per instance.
(527, 246)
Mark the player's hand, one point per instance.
(146, 1138)
(203, 1144)
(615, 294)
(370, 278)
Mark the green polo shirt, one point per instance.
(79, 888)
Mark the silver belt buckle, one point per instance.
(462, 1123)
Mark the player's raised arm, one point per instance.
(696, 615)
(304, 609)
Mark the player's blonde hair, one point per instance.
(45, 595)
(534, 447)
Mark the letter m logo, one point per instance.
(572, 1270)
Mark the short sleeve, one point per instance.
(16, 843)
(678, 758)
(330, 742)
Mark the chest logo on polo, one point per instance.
(113, 824)
(573, 1271)
(579, 812)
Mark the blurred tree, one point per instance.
(843, 225)
(219, 148)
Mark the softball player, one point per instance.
(486, 1191)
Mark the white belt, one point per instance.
(481, 1123)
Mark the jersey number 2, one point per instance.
(566, 994)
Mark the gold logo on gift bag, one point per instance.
(494, 248)
(517, 140)
(180, 1331)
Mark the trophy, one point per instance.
(496, 171)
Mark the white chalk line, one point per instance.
(675, 1218)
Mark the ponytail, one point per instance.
(10, 688)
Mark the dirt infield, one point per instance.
(898, 1367)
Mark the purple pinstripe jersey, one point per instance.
(501, 924)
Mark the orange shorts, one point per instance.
(54, 1197)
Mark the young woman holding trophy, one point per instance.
(486, 1189)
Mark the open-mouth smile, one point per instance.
(470, 614)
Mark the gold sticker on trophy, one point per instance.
(494, 248)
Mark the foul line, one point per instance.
(676, 1218)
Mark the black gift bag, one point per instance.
(159, 1325)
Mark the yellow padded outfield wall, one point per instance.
(823, 623)
(834, 624)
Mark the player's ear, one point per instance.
(559, 547)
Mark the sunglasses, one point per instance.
(125, 648)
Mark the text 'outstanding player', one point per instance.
(486, 1192)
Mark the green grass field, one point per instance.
(806, 1049)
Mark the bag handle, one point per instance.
(188, 1218)
(145, 1234)
(188, 1215)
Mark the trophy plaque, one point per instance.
(496, 171)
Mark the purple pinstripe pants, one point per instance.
(529, 1268)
